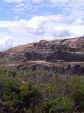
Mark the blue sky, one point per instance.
(25, 21)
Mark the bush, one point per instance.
(58, 105)
(17, 98)
(75, 90)
(52, 93)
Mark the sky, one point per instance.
(26, 21)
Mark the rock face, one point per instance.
(75, 69)
(55, 52)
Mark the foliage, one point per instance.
(41, 92)
(58, 105)
(75, 89)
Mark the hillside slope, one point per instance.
(64, 56)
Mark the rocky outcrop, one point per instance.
(62, 68)
(46, 50)
(66, 50)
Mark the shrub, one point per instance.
(75, 90)
(58, 105)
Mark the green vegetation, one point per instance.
(40, 92)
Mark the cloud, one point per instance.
(13, 1)
(37, 28)
(37, 1)
(59, 1)
(17, 5)
(40, 19)
(62, 34)
(37, 21)
(72, 9)
(6, 43)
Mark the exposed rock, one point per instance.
(57, 51)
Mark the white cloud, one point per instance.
(78, 22)
(37, 1)
(37, 21)
(72, 9)
(6, 43)
(59, 1)
(18, 6)
(77, 30)
(13, 1)
(37, 28)
(66, 20)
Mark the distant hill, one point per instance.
(63, 56)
